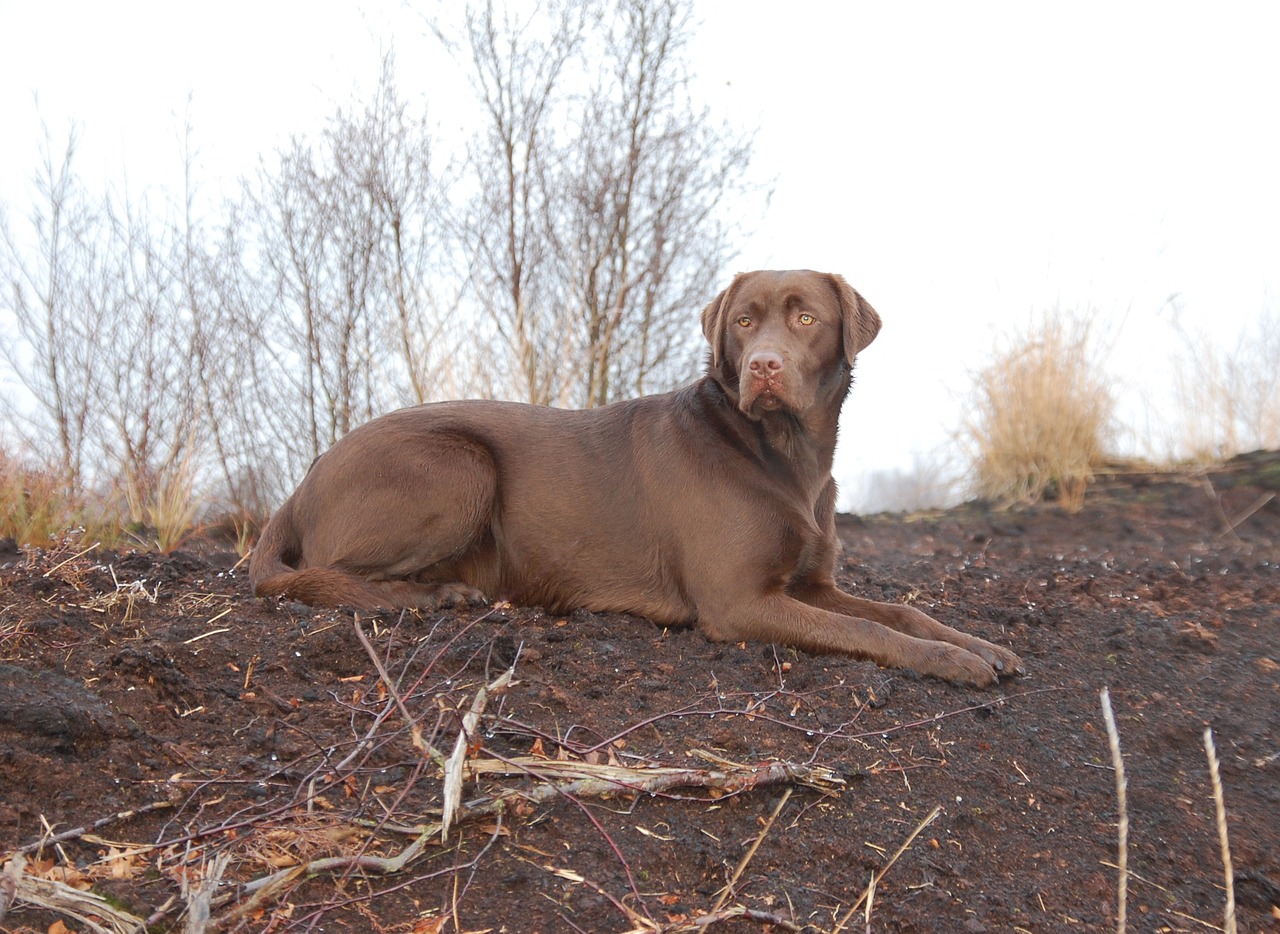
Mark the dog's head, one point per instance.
(786, 340)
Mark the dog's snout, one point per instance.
(765, 363)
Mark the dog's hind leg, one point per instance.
(401, 515)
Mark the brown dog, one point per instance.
(713, 504)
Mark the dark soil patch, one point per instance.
(264, 733)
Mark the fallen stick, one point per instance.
(453, 767)
(584, 780)
(88, 828)
(703, 923)
(92, 911)
(199, 895)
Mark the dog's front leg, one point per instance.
(908, 620)
(783, 619)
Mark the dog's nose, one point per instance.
(765, 363)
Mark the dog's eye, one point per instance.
(744, 322)
(807, 318)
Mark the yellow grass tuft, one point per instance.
(1041, 414)
(34, 507)
(162, 504)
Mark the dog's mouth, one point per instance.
(769, 401)
(759, 396)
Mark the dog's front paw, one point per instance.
(952, 663)
(1005, 663)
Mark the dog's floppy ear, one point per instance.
(713, 321)
(861, 323)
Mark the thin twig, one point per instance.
(1173, 913)
(880, 873)
(1236, 520)
(78, 554)
(1122, 858)
(701, 923)
(617, 851)
(1227, 527)
(693, 710)
(415, 728)
(1229, 915)
(742, 863)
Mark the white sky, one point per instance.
(960, 163)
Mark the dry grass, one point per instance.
(1041, 415)
(33, 506)
(1228, 400)
(37, 510)
(162, 505)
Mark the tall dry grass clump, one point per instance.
(36, 508)
(33, 504)
(1041, 413)
(163, 505)
(1228, 398)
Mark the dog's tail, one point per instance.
(273, 572)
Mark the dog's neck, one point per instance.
(800, 444)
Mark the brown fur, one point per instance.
(712, 505)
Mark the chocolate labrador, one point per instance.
(712, 505)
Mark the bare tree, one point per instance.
(232, 381)
(578, 234)
(44, 273)
(407, 204)
(517, 65)
(345, 229)
(105, 342)
(148, 423)
(641, 244)
(597, 184)
(245, 382)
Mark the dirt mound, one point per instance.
(168, 743)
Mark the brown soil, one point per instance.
(265, 734)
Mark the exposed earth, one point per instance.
(171, 746)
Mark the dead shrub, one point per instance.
(1041, 413)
